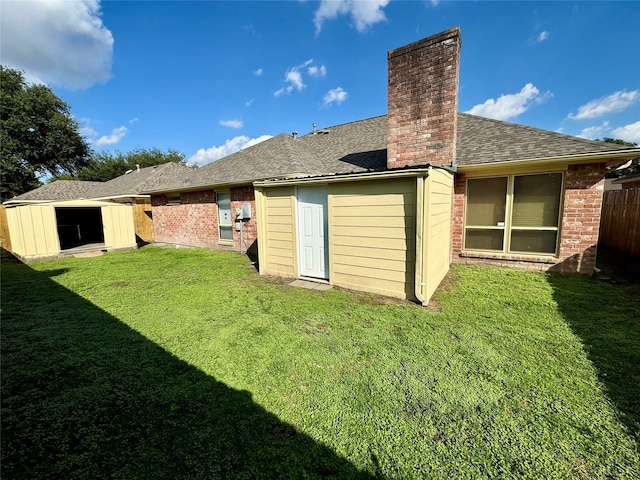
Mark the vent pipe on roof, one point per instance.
(294, 134)
(314, 129)
(137, 166)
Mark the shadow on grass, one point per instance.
(606, 317)
(85, 396)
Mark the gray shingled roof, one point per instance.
(58, 190)
(348, 148)
(362, 146)
(134, 183)
(351, 147)
(139, 181)
(483, 140)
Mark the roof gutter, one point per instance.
(345, 177)
(567, 159)
(114, 197)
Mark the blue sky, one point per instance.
(208, 77)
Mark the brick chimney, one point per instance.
(422, 120)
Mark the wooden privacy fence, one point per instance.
(143, 222)
(5, 239)
(620, 222)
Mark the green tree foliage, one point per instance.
(617, 141)
(104, 166)
(632, 168)
(39, 135)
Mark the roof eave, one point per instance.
(115, 197)
(345, 177)
(575, 159)
(213, 186)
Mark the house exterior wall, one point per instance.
(437, 237)
(34, 231)
(372, 241)
(579, 226)
(194, 222)
(277, 245)
(372, 236)
(584, 188)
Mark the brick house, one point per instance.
(519, 196)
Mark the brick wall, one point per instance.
(422, 116)
(584, 186)
(194, 222)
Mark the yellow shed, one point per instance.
(47, 229)
(383, 232)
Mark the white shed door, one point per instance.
(312, 232)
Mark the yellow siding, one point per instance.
(5, 237)
(437, 224)
(277, 249)
(119, 230)
(34, 230)
(372, 240)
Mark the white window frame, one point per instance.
(220, 224)
(507, 228)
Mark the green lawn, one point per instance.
(176, 363)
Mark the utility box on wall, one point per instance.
(245, 212)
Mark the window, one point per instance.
(223, 200)
(174, 199)
(513, 214)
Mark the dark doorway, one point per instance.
(78, 226)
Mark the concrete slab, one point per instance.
(95, 253)
(310, 285)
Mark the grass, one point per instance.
(163, 363)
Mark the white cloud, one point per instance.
(510, 105)
(320, 71)
(593, 132)
(616, 102)
(249, 102)
(232, 145)
(295, 79)
(231, 123)
(629, 133)
(363, 13)
(115, 137)
(542, 36)
(62, 43)
(89, 133)
(258, 72)
(337, 95)
(133, 120)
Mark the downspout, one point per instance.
(420, 231)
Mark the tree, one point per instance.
(632, 168)
(617, 141)
(39, 135)
(103, 166)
